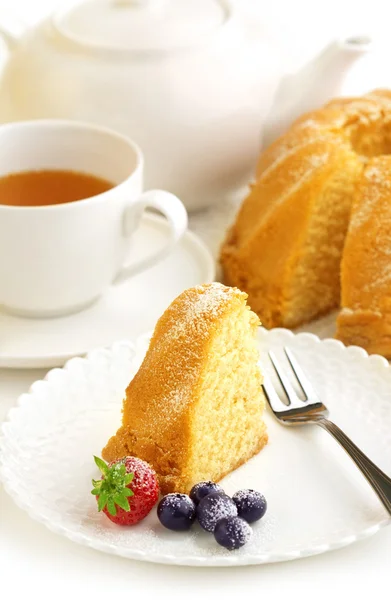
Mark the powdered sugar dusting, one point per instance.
(214, 507)
(370, 225)
(297, 174)
(236, 531)
(376, 175)
(377, 181)
(381, 279)
(175, 398)
(186, 326)
(251, 497)
(347, 312)
(309, 162)
(144, 476)
(209, 300)
(174, 499)
(197, 310)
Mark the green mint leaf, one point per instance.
(111, 506)
(122, 502)
(102, 501)
(102, 466)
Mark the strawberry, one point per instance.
(127, 490)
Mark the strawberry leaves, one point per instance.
(112, 489)
(102, 501)
(102, 466)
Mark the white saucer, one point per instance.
(317, 498)
(124, 312)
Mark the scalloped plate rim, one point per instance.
(170, 559)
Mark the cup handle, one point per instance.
(175, 213)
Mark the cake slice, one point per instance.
(365, 318)
(285, 246)
(194, 409)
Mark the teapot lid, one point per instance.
(141, 25)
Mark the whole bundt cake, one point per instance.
(304, 216)
(365, 318)
(194, 409)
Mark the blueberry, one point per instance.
(232, 532)
(214, 507)
(251, 505)
(202, 489)
(176, 512)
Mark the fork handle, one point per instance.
(375, 477)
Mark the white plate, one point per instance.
(124, 312)
(317, 498)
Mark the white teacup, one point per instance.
(58, 259)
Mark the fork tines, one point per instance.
(293, 399)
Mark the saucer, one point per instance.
(123, 312)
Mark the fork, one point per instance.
(312, 411)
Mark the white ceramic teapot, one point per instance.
(190, 81)
(350, 66)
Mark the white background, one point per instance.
(36, 563)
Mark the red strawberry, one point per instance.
(127, 490)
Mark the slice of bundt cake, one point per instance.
(285, 246)
(194, 409)
(365, 319)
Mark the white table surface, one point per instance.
(37, 563)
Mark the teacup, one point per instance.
(58, 259)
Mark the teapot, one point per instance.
(189, 81)
(348, 66)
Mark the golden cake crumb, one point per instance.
(328, 173)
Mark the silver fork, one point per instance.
(312, 411)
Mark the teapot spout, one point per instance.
(11, 29)
(317, 82)
(330, 68)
